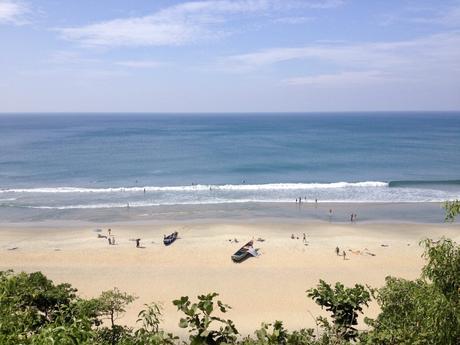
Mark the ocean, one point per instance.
(104, 161)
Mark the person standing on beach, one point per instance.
(304, 238)
(330, 214)
(354, 217)
(110, 232)
(337, 250)
(344, 255)
(138, 242)
(351, 217)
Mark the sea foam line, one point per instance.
(201, 187)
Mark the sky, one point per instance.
(229, 56)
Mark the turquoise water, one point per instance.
(76, 161)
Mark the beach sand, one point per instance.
(262, 289)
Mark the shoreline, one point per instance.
(407, 212)
(262, 289)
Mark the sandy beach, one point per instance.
(269, 287)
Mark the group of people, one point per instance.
(304, 237)
(111, 239)
(299, 200)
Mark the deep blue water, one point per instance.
(107, 160)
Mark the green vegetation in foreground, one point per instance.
(35, 311)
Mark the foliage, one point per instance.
(29, 303)
(452, 210)
(344, 304)
(150, 332)
(412, 312)
(110, 306)
(443, 266)
(199, 320)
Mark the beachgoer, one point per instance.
(316, 203)
(304, 238)
(144, 190)
(296, 200)
(351, 218)
(300, 200)
(344, 254)
(337, 250)
(292, 236)
(330, 214)
(110, 232)
(354, 217)
(113, 240)
(110, 241)
(138, 242)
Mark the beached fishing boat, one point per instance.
(244, 252)
(167, 240)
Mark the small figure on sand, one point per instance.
(292, 237)
(344, 255)
(337, 250)
(110, 241)
(138, 242)
(351, 217)
(109, 231)
(304, 238)
(330, 214)
(354, 217)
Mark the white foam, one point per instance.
(201, 187)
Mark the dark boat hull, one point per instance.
(168, 240)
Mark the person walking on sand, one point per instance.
(110, 232)
(330, 214)
(337, 250)
(138, 242)
(351, 218)
(344, 255)
(304, 238)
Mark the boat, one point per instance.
(167, 240)
(244, 252)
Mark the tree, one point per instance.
(424, 311)
(344, 305)
(198, 318)
(452, 210)
(111, 305)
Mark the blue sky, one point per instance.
(229, 56)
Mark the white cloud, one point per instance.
(140, 63)
(434, 58)
(340, 79)
(436, 49)
(293, 20)
(183, 23)
(13, 12)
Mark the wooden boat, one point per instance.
(244, 252)
(167, 240)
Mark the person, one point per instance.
(344, 254)
(144, 190)
(138, 242)
(316, 203)
(110, 240)
(330, 214)
(300, 200)
(354, 217)
(304, 238)
(337, 250)
(110, 232)
(351, 218)
(292, 236)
